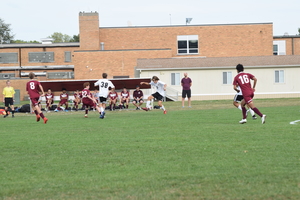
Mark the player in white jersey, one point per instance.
(159, 94)
(238, 98)
(104, 86)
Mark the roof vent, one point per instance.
(47, 40)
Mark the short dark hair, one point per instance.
(86, 84)
(31, 75)
(63, 89)
(240, 68)
(104, 75)
(155, 78)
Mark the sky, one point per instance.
(36, 19)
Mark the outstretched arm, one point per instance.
(144, 83)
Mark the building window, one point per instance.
(68, 56)
(279, 47)
(8, 57)
(227, 78)
(187, 44)
(41, 57)
(175, 78)
(279, 76)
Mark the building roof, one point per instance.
(39, 45)
(219, 62)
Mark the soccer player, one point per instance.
(77, 99)
(49, 99)
(138, 98)
(186, 84)
(159, 94)
(87, 99)
(8, 99)
(32, 87)
(104, 85)
(236, 102)
(125, 96)
(242, 80)
(63, 100)
(113, 97)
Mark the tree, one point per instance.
(23, 41)
(59, 37)
(298, 31)
(5, 33)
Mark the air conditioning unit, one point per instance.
(7, 75)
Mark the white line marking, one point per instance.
(294, 122)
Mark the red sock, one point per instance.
(257, 111)
(86, 111)
(36, 113)
(244, 112)
(42, 115)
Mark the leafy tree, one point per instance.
(299, 31)
(59, 37)
(5, 33)
(23, 41)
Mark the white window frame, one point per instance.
(281, 47)
(279, 76)
(175, 79)
(188, 50)
(227, 77)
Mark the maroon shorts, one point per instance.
(63, 101)
(34, 101)
(248, 98)
(88, 102)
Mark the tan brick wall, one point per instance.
(89, 31)
(214, 41)
(290, 42)
(91, 65)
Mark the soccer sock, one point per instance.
(127, 106)
(162, 107)
(13, 112)
(86, 111)
(257, 112)
(240, 107)
(252, 112)
(42, 115)
(244, 112)
(120, 106)
(6, 111)
(36, 113)
(148, 104)
(101, 109)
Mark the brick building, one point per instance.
(116, 50)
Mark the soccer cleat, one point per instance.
(165, 111)
(5, 116)
(263, 119)
(137, 108)
(243, 121)
(102, 115)
(254, 117)
(86, 116)
(146, 109)
(12, 115)
(66, 110)
(45, 120)
(38, 117)
(55, 110)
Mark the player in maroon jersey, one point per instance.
(63, 100)
(125, 97)
(113, 96)
(243, 81)
(87, 99)
(138, 98)
(49, 99)
(77, 99)
(32, 87)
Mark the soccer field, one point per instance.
(190, 153)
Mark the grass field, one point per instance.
(190, 153)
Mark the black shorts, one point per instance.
(238, 98)
(102, 99)
(158, 96)
(8, 101)
(186, 93)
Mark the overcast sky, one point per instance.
(36, 19)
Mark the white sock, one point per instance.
(240, 107)
(148, 104)
(101, 109)
(162, 107)
(251, 111)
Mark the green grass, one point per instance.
(198, 153)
